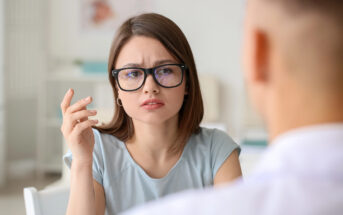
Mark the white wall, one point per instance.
(26, 58)
(68, 41)
(213, 28)
(2, 115)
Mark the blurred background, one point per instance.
(49, 46)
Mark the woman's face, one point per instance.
(152, 104)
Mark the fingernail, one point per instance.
(93, 111)
(69, 90)
(88, 98)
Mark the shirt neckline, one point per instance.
(142, 171)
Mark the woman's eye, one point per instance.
(165, 71)
(133, 74)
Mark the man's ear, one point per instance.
(261, 72)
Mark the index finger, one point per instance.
(66, 100)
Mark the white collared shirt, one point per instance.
(300, 173)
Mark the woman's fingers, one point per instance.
(76, 114)
(82, 115)
(77, 117)
(79, 105)
(81, 126)
(66, 100)
(84, 118)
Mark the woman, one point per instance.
(154, 145)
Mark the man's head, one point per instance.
(293, 61)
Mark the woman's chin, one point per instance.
(155, 119)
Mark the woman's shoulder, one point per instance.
(106, 141)
(211, 134)
(110, 152)
(211, 139)
(209, 147)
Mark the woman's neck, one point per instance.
(155, 140)
(150, 147)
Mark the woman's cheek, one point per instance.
(130, 107)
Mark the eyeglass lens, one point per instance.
(166, 76)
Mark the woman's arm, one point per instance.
(229, 171)
(87, 196)
(100, 204)
(82, 194)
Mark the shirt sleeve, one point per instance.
(98, 163)
(221, 148)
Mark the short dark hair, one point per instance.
(170, 35)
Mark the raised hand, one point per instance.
(77, 128)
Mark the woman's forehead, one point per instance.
(144, 52)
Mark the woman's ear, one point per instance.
(117, 89)
(118, 96)
(186, 88)
(186, 91)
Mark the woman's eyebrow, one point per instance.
(157, 63)
(131, 65)
(160, 62)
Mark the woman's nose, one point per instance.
(150, 86)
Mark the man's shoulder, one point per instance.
(288, 195)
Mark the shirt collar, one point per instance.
(312, 150)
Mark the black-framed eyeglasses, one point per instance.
(133, 78)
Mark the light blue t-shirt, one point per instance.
(126, 184)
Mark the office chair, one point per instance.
(49, 201)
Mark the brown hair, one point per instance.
(170, 35)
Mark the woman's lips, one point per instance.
(152, 104)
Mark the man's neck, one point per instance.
(305, 111)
